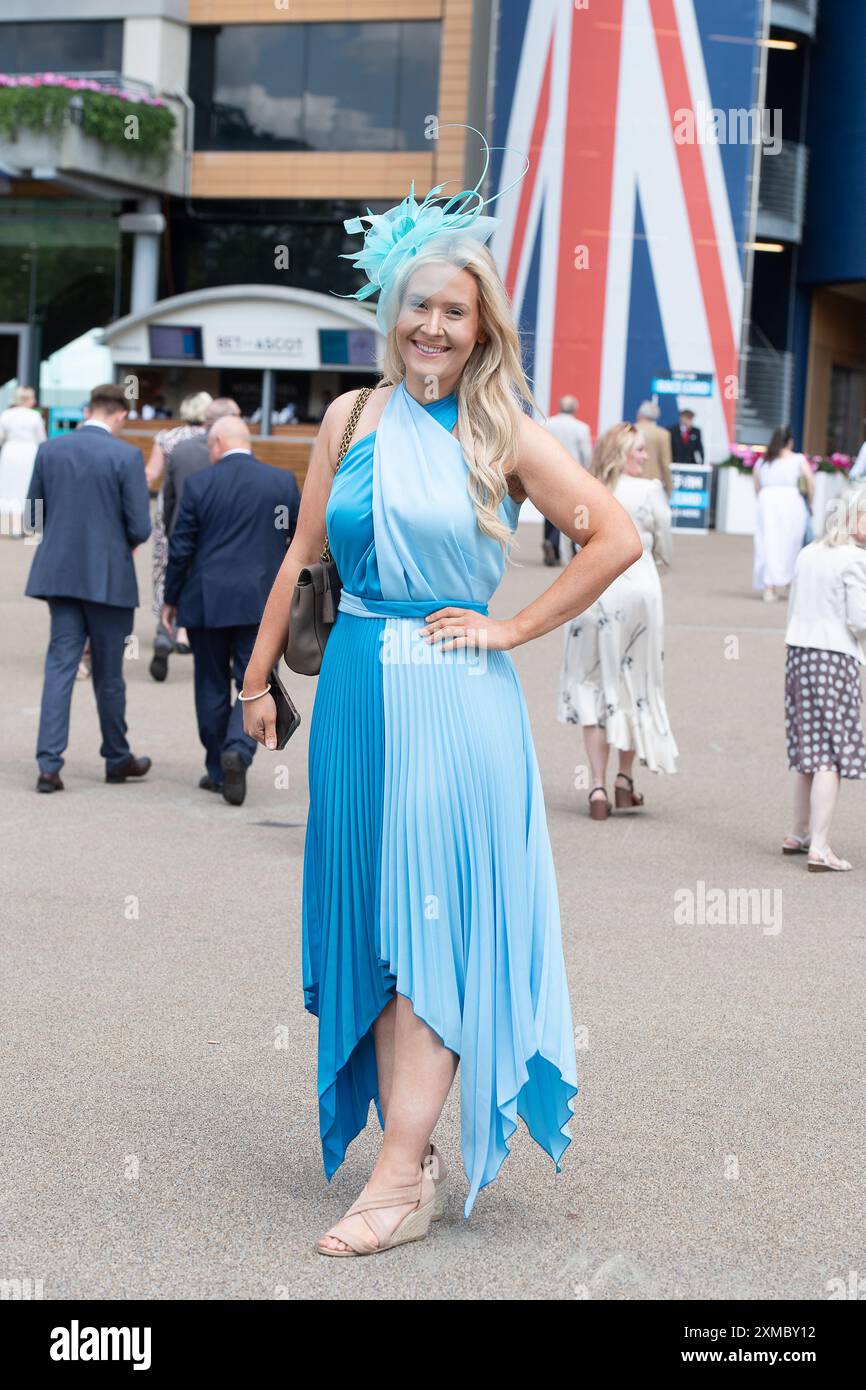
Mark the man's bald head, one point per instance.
(229, 433)
(223, 405)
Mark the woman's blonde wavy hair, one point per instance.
(611, 451)
(492, 387)
(193, 408)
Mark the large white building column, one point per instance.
(147, 226)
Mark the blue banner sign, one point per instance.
(683, 384)
(690, 498)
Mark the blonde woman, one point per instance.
(824, 652)
(193, 410)
(21, 433)
(431, 931)
(612, 673)
(785, 486)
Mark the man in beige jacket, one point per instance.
(658, 445)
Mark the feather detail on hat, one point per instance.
(395, 237)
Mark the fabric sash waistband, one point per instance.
(404, 608)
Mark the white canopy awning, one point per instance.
(258, 326)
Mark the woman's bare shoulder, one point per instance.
(336, 417)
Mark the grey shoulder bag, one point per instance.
(313, 609)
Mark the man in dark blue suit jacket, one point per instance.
(229, 539)
(90, 489)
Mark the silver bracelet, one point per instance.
(242, 697)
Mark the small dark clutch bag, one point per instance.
(288, 717)
(313, 610)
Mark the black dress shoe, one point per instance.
(208, 784)
(49, 782)
(159, 666)
(234, 788)
(133, 767)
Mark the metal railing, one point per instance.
(111, 81)
(767, 377)
(782, 192)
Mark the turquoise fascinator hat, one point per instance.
(395, 239)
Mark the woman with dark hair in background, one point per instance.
(782, 480)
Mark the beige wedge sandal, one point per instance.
(414, 1226)
(435, 1164)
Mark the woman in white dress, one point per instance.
(784, 484)
(21, 433)
(612, 681)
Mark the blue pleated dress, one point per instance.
(428, 869)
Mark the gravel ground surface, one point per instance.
(158, 1089)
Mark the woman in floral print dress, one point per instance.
(612, 668)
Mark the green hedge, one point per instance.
(104, 116)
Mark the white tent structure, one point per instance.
(69, 375)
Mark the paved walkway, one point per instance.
(158, 1088)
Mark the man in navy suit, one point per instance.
(91, 491)
(229, 539)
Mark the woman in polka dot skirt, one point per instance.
(826, 646)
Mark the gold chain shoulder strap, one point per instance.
(354, 415)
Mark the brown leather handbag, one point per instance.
(313, 609)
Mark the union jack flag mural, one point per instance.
(623, 247)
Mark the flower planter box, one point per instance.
(735, 503)
(828, 488)
(70, 151)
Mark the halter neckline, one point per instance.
(427, 405)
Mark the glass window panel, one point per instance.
(221, 246)
(314, 86)
(350, 102)
(419, 82)
(68, 46)
(245, 80)
(73, 291)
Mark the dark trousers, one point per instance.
(555, 537)
(72, 622)
(221, 653)
(163, 643)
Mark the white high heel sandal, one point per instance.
(795, 844)
(819, 862)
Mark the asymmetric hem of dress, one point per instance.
(509, 1110)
